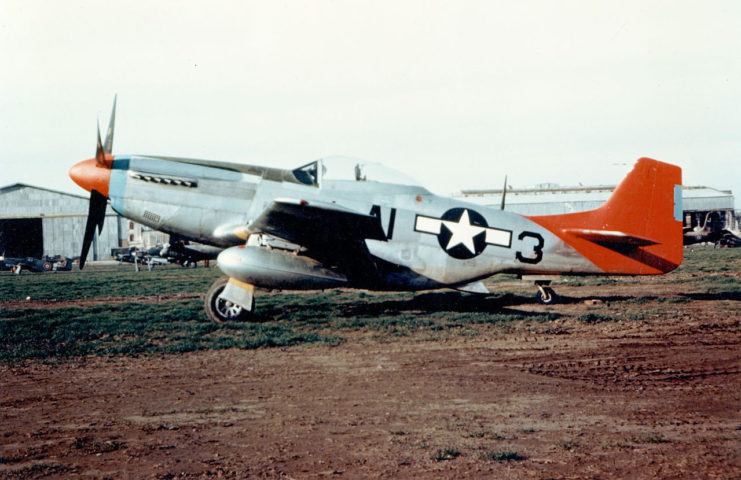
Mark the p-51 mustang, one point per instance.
(338, 222)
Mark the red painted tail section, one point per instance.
(638, 231)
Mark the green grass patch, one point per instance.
(487, 434)
(501, 455)
(448, 453)
(648, 439)
(707, 259)
(133, 329)
(283, 319)
(594, 318)
(109, 281)
(568, 444)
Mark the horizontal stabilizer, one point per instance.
(610, 237)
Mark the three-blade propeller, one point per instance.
(98, 201)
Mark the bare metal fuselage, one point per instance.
(429, 241)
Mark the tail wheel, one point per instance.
(219, 310)
(546, 295)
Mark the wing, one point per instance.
(321, 224)
(332, 234)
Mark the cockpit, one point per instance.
(338, 168)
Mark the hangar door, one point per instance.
(21, 237)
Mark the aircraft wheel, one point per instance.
(219, 310)
(546, 296)
(46, 266)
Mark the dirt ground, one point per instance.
(568, 399)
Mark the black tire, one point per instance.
(549, 298)
(46, 266)
(219, 310)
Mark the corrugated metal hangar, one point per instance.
(36, 221)
(700, 204)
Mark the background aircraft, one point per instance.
(186, 253)
(709, 233)
(176, 250)
(338, 222)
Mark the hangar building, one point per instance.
(700, 204)
(36, 221)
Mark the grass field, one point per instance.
(158, 312)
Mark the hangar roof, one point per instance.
(18, 186)
(552, 199)
(21, 200)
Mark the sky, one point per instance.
(456, 94)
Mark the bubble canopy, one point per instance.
(350, 169)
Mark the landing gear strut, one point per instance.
(220, 310)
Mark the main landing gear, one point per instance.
(220, 310)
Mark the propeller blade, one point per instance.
(504, 193)
(98, 201)
(99, 152)
(95, 218)
(108, 144)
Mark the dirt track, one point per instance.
(566, 399)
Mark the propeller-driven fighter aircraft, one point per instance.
(338, 222)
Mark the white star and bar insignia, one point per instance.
(459, 232)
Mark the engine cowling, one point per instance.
(272, 268)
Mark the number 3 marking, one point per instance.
(537, 249)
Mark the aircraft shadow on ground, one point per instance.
(445, 302)
(603, 299)
(422, 304)
(713, 296)
(456, 302)
(622, 298)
